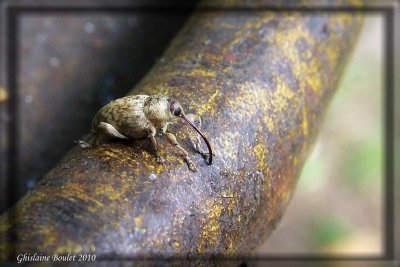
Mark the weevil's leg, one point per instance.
(105, 131)
(109, 130)
(87, 141)
(165, 127)
(99, 138)
(83, 144)
(152, 133)
(197, 145)
(197, 142)
(172, 140)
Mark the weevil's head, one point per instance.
(160, 110)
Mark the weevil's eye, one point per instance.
(175, 109)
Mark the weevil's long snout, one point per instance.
(202, 135)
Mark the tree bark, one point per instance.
(260, 80)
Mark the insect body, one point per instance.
(140, 116)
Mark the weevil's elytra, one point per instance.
(140, 116)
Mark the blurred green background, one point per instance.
(337, 208)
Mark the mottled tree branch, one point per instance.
(260, 80)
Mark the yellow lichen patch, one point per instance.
(148, 159)
(138, 222)
(304, 123)
(282, 97)
(286, 41)
(201, 72)
(123, 174)
(69, 247)
(211, 227)
(51, 235)
(213, 96)
(309, 72)
(43, 194)
(75, 191)
(260, 152)
(210, 106)
(232, 203)
(107, 190)
(332, 53)
(111, 154)
(313, 78)
(269, 122)
(267, 173)
(163, 89)
(213, 58)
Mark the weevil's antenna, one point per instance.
(202, 135)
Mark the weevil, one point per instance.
(140, 116)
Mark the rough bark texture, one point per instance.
(260, 80)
